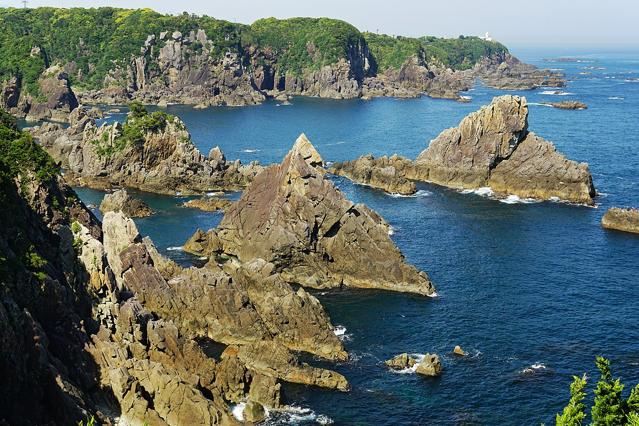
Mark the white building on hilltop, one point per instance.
(487, 37)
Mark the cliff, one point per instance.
(116, 55)
(492, 148)
(150, 151)
(95, 322)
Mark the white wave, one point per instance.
(295, 415)
(616, 98)
(513, 199)
(214, 194)
(238, 411)
(533, 369)
(409, 370)
(176, 248)
(433, 295)
(554, 199)
(466, 97)
(178, 194)
(539, 104)
(250, 151)
(340, 332)
(419, 194)
(556, 93)
(484, 191)
(203, 258)
(391, 230)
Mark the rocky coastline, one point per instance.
(151, 152)
(491, 148)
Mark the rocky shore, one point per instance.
(294, 218)
(619, 219)
(490, 148)
(151, 152)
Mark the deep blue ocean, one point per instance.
(533, 291)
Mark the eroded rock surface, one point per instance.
(626, 220)
(164, 160)
(295, 218)
(430, 366)
(208, 204)
(121, 200)
(491, 147)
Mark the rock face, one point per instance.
(55, 99)
(492, 148)
(208, 204)
(506, 72)
(120, 200)
(401, 362)
(163, 161)
(383, 173)
(296, 219)
(626, 220)
(430, 366)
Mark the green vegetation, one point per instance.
(609, 409)
(138, 123)
(459, 53)
(92, 42)
(303, 43)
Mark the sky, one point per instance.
(522, 22)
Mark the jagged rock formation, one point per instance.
(296, 219)
(383, 173)
(504, 71)
(619, 219)
(54, 101)
(208, 204)
(492, 148)
(94, 321)
(430, 366)
(163, 160)
(120, 200)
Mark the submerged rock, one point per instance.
(383, 173)
(295, 218)
(208, 204)
(163, 159)
(430, 366)
(401, 362)
(120, 200)
(619, 219)
(569, 105)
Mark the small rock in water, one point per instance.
(459, 351)
(430, 366)
(401, 362)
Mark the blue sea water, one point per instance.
(533, 291)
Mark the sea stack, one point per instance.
(491, 147)
(295, 218)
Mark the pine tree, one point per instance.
(609, 406)
(574, 413)
(632, 406)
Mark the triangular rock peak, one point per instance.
(294, 217)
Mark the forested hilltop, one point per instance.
(114, 55)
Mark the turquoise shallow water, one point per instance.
(519, 284)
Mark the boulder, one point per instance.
(619, 219)
(254, 412)
(120, 200)
(295, 218)
(401, 362)
(459, 351)
(429, 366)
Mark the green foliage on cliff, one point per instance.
(304, 43)
(609, 409)
(20, 155)
(458, 53)
(92, 43)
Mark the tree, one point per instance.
(575, 412)
(609, 406)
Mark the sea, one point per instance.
(532, 291)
